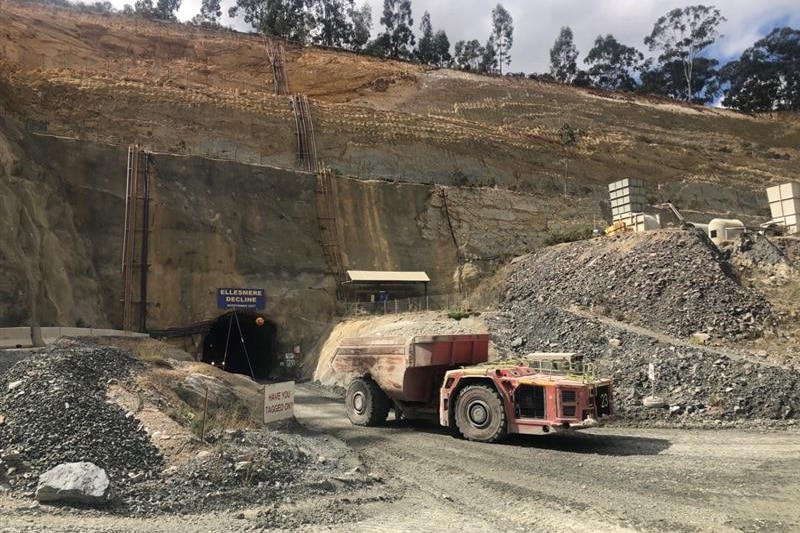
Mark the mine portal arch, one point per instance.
(256, 347)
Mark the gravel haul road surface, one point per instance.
(611, 479)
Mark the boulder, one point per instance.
(75, 482)
(220, 394)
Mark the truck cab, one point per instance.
(487, 402)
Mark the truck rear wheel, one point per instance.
(365, 403)
(480, 414)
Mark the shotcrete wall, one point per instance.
(225, 224)
(213, 224)
(219, 223)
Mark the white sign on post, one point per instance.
(651, 372)
(278, 401)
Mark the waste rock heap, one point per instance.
(676, 282)
(63, 439)
(678, 294)
(56, 411)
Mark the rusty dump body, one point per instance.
(450, 376)
(410, 369)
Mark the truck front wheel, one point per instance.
(365, 403)
(480, 415)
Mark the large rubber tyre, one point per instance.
(365, 403)
(480, 415)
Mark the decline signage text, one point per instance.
(230, 298)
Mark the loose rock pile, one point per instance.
(245, 468)
(767, 255)
(790, 248)
(673, 281)
(702, 386)
(56, 411)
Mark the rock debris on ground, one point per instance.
(650, 279)
(676, 282)
(56, 411)
(249, 468)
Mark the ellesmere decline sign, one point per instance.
(240, 299)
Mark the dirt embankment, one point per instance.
(199, 91)
(90, 46)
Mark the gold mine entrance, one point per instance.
(243, 342)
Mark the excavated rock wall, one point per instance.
(217, 223)
(45, 265)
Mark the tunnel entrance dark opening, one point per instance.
(260, 341)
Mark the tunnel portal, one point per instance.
(236, 336)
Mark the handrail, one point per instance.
(585, 372)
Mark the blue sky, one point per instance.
(537, 22)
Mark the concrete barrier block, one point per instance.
(790, 190)
(50, 334)
(100, 332)
(75, 332)
(15, 338)
(774, 194)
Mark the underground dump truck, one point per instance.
(449, 377)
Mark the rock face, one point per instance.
(82, 482)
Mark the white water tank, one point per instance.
(724, 230)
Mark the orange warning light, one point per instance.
(260, 321)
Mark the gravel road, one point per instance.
(613, 479)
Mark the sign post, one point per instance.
(652, 401)
(278, 401)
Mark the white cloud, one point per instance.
(537, 22)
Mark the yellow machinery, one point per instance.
(615, 228)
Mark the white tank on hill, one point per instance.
(724, 230)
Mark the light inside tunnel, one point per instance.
(235, 338)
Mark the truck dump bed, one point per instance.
(409, 369)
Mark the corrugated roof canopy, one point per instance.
(387, 276)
